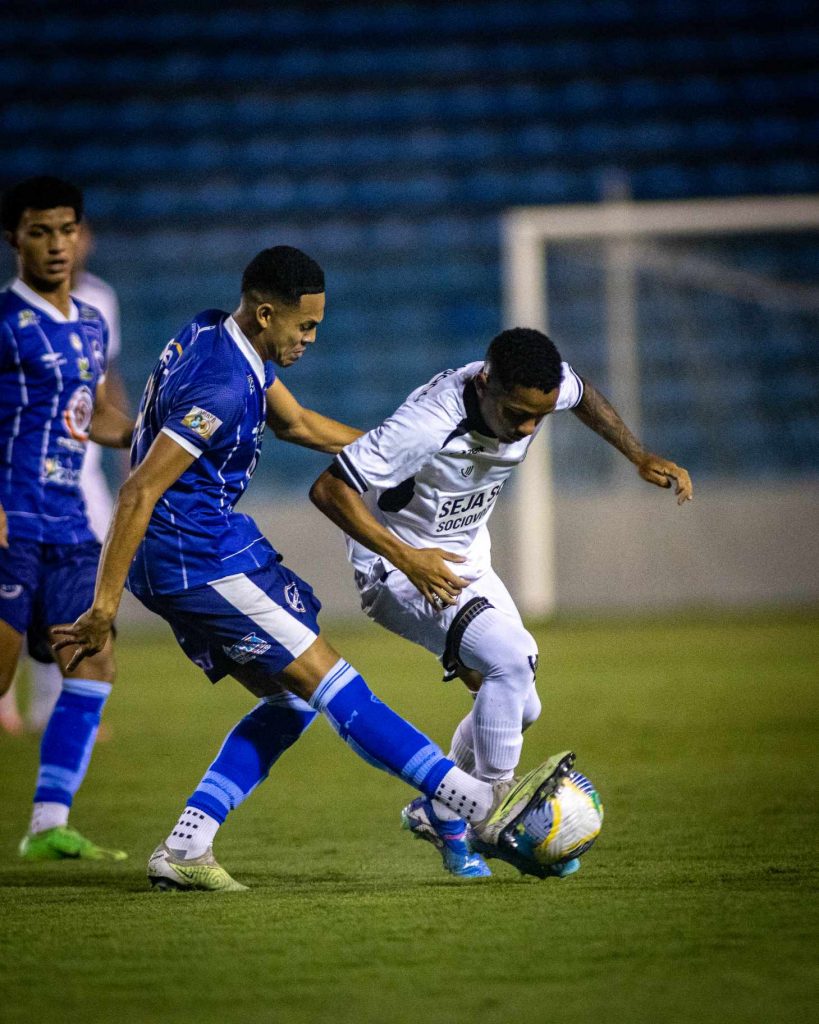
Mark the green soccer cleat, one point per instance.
(166, 872)
(64, 843)
(540, 784)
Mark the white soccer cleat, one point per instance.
(167, 871)
(514, 800)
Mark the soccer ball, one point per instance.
(563, 827)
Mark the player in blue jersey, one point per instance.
(53, 353)
(234, 608)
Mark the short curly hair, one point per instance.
(524, 357)
(41, 193)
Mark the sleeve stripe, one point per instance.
(350, 473)
(183, 442)
(580, 388)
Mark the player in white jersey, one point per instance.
(414, 497)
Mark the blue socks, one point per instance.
(68, 740)
(376, 733)
(249, 752)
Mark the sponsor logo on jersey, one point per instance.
(52, 359)
(76, 341)
(78, 413)
(203, 422)
(84, 368)
(27, 318)
(8, 591)
(251, 384)
(56, 472)
(71, 445)
(246, 649)
(293, 597)
(467, 471)
(465, 511)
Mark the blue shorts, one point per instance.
(249, 625)
(43, 585)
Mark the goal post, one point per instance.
(619, 227)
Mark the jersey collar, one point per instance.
(247, 350)
(475, 422)
(22, 290)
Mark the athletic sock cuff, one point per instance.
(336, 679)
(87, 687)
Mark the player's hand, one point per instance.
(89, 634)
(664, 473)
(427, 570)
(4, 529)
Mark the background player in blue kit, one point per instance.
(53, 353)
(234, 608)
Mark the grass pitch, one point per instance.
(695, 905)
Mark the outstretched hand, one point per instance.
(89, 634)
(427, 570)
(664, 473)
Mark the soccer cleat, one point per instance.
(64, 843)
(525, 865)
(513, 804)
(448, 837)
(166, 872)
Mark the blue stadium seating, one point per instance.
(387, 139)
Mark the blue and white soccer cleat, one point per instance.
(448, 837)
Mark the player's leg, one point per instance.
(45, 687)
(69, 737)
(263, 631)
(18, 581)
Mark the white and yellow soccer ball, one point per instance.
(565, 826)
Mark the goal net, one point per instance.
(697, 318)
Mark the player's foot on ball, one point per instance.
(167, 871)
(525, 865)
(64, 843)
(513, 804)
(448, 837)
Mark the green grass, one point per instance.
(697, 903)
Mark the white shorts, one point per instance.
(393, 602)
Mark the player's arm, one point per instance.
(600, 416)
(165, 462)
(109, 426)
(290, 421)
(4, 529)
(426, 568)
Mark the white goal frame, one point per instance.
(527, 233)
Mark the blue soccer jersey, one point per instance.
(207, 393)
(50, 366)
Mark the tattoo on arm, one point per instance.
(600, 416)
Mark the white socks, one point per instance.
(192, 834)
(467, 797)
(48, 815)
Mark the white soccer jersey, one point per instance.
(432, 472)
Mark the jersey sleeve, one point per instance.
(200, 410)
(396, 450)
(571, 390)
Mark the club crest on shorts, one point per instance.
(293, 598)
(9, 591)
(203, 422)
(246, 649)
